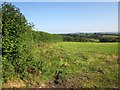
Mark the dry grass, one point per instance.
(14, 84)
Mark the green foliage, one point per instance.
(91, 37)
(109, 39)
(18, 39)
(75, 39)
(46, 37)
(29, 55)
(14, 47)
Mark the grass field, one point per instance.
(75, 64)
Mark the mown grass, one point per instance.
(103, 48)
(74, 64)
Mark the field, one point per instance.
(74, 64)
(37, 59)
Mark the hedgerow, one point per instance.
(18, 39)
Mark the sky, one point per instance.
(71, 17)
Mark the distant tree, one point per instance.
(107, 39)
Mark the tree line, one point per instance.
(91, 37)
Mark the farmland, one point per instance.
(75, 64)
(37, 59)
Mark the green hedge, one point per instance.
(39, 36)
(17, 41)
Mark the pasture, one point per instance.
(36, 59)
(77, 64)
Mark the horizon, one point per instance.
(81, 32)
(71, 17)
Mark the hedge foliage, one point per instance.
(17, 41)
(46, 37)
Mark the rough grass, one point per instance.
(75, 65)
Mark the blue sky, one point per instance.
(70, 17)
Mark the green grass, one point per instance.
(75, 64)
(103, 48)
(90, 64)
